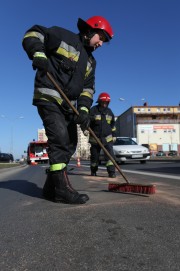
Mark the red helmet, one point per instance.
(96, 22)
(104, 97)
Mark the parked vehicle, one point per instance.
(11, 156)
(6, 157)
(126, 149)
(160, 153)
(173, 153)
(37, 152)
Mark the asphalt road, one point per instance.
(111, 232)
(167, 167)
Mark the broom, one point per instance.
(114, 187)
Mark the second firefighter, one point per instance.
(103, 125)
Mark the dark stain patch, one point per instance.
(139, 228)
(109, 221)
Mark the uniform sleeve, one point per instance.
(92, 115)
(113, 126)
(33, 40)
(86, 96)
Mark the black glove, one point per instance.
(83, 119)
(40, 62)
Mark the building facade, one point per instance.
(158, 127)
(42, 135)
(83, 146)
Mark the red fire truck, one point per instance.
(37, 152)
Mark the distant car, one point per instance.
(160, 153)
(11, 156)
(126, 149)
(173, 153)
(6, 158)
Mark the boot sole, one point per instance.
(62, 200)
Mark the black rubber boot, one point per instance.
(49, 188)
(85, 196)
(93, 171)
(112, 175)
(64, 192)
(111, 171)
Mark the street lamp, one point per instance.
(12, 120)
(122, 99)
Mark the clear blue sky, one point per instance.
(142, 60)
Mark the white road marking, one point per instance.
(142, 173)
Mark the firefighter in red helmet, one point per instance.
(103, 125)
(96, 24)
(68, 57)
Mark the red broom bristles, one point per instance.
(132, 188)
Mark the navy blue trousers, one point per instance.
(61, 132)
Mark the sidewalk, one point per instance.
(165, 158)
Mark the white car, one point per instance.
(126, 149)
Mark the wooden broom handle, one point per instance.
(89, 129)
